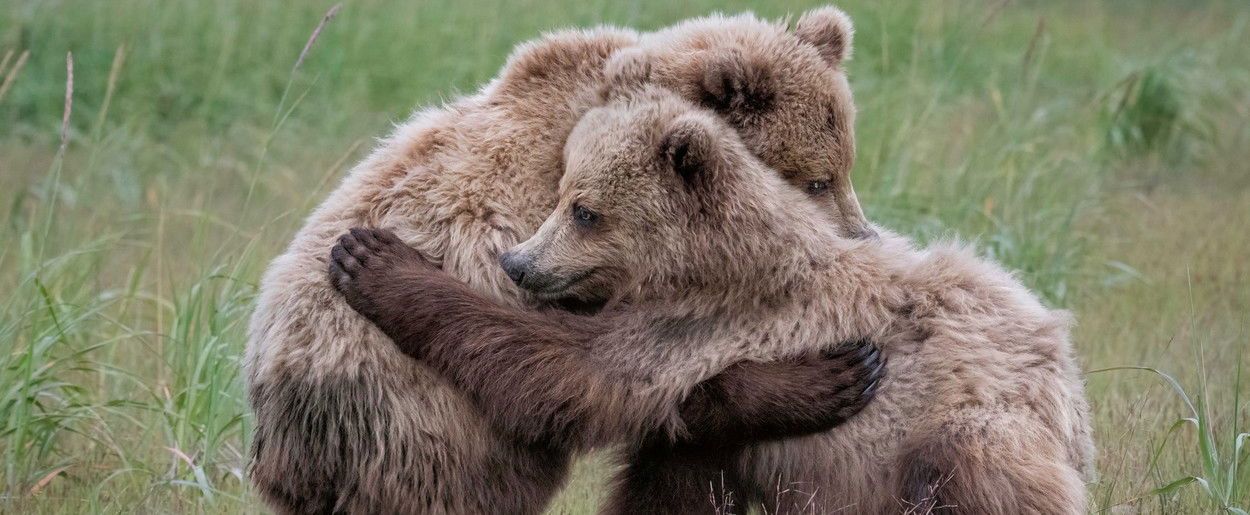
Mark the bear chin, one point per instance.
(579, 306)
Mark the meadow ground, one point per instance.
(1100, 148)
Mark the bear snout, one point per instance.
(524, 270)
(516, 266)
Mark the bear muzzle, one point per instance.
(517, 266)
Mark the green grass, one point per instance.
(1098, 147)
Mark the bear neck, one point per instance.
(817, 293)
(769, 252)
(778, 265)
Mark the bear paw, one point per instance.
(363, 264)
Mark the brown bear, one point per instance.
(342, 420)
(719, 261)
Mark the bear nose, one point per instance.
(515, 266)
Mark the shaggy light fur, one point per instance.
(343, 422)
(720, 261)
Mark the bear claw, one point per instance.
(363, 259)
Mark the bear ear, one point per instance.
(691, 150)
(829, 30)
(733, 83)
(627, 70)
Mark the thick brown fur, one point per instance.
(717, 261)
(388, 282)
(570, 408)
(565, 412)
(343, 421)
(696, 475)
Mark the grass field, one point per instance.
(1101, 148)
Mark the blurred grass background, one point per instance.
(1100, 148)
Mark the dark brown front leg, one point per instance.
(376, 273)
(747, 403)
(534, 374)
(755, 401)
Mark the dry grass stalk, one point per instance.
(69, 102)
(11, 74)
(315, 34)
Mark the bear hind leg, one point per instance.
(683, 480)
(986, 471)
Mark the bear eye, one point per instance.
(817, 187)
(584, 217)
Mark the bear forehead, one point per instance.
(637, 119)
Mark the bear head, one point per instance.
(662, 196)
(783, 89)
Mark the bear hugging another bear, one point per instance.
(699, 376)
(343, 421)
(982, 408)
